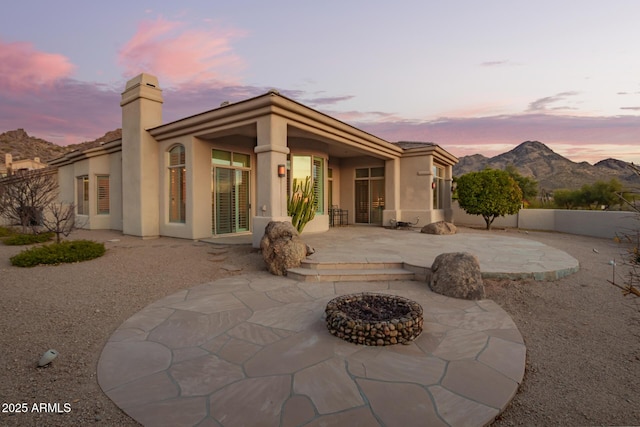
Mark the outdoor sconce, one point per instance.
(453, 187)
(282, 171)
(433, 184)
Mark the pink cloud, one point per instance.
(68, 112)
(180, 56)
(23, 68)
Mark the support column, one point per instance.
(430, 187)
(141, 109)
(271, 151)
(391, 192)
(448, 192)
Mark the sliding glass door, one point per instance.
(230, 200)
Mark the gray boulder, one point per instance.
(282, 247)
(440, 227)
(457, 275)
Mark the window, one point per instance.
(177, 184)
(227, 158)
(312, 167)
(438, 187)
(82, 198)
(103, 194)
(318, 183)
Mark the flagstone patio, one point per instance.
(254, 350)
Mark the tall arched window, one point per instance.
(177, 184)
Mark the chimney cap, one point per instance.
(143, 79)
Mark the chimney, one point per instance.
(141, 110)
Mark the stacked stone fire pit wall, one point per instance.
(374, 319)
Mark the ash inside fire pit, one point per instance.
(374, 319)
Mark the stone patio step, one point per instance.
(349, 272)
(350, 265)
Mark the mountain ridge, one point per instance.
(551, 170)
(531, 158)
(22, 146)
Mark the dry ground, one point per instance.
(582, 336)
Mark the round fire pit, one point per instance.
(374, 319)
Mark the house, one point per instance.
(229, 170)
(12, 166)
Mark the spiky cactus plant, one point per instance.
(301, 205)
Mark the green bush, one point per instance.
(28, 239)
(58, 253)
(5, 232)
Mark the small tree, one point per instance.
(490, 193)
(632, 284)
(301, 206)
(528, 185)
(60, 218)
(25, 195)
(601, 193)
(567, 199)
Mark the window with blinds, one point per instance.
(82, 196)
(177, 185)
(103, 194)
(318, 183)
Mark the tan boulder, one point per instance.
(282, 248)
(440, 227)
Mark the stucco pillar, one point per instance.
(448, 192)
(430, 186)
(271, 190)
(141, 109)
(391, 192)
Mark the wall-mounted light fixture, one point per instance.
(282, 171)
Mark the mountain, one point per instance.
(531, 158)
(550, 169)
(23, 146)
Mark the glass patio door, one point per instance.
(230, 200)
(369, 195)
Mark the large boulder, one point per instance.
(457, 275)
(282, 247)
(440, 227)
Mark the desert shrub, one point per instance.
(58, 253)
(5, 232)
(27, 239)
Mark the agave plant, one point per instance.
(301, 205)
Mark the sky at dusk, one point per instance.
(471, 76)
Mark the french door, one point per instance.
(231, 207)
(369, 195)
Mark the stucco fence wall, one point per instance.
(605, 224)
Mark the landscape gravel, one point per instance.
(582, 335)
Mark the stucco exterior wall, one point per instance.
(115, 190)
(98, 165)
(66, 184)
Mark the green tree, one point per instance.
(567, 199)
(528, 185)
(601, 193)
(490, 193)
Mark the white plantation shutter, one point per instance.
(103, 194)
